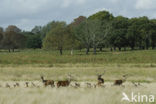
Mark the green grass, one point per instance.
(28, 65)
(53, 57)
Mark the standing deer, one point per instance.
(47, 82)
(64, 83)
(120, 81)
(100, 79)
(27, 84)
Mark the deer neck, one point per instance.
(43, 80)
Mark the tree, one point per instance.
(73, 40)
(83, 35)
(56, 38)
(1, 33)
(105, 18)
(36, 30)
(118, 32)
(102, 16)
(32, 40)
(13, 39)
(152, 33)
(138, 33)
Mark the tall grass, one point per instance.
(108, 95)
(80, 72)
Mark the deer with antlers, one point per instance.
(121, 81)
(47, 82)
(64, 83)
(100, 79)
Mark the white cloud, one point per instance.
(145, 4)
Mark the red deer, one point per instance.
(100, 79)
(120, 81)
(27, 84)
(64, 83)
(47, 82)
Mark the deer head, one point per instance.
(100, 75)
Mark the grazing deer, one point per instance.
(121, 81)
(64, 83)
(100, 79)
(47, 82)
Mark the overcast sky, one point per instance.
(28, 13)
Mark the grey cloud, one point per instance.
(28, 13)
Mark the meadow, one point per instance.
(29, 65)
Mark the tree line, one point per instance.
(99, 30)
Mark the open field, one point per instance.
(28, 66)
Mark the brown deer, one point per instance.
(100, 79)
(47, 82)
(27, 84)
(120, 81)
(64, 83)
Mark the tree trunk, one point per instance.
(100, 49)
(119, 48)
(87, 51)
(94, 50)
(61, 51)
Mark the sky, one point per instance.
(26, 14)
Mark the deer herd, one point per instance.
(66, 83)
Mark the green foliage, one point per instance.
(102, 16)
(118, 32)
(99, 30)
(57, 37)
(33, 41)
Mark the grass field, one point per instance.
(53, 57)
(29, 65)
